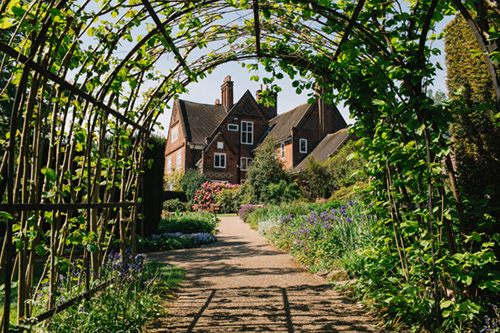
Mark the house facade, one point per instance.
(219, 139)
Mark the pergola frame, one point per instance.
(63, 126)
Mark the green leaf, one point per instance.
(6, 215)
(420, 130)
(354, 155)
(446, 304)
(92, 248)
(50, 174)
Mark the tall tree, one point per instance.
(267, 179)
(476, 133)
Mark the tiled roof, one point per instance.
(326, 147)
(201, 119)
(282, 124)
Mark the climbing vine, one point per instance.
(86, 81)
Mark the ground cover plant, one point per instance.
(181, 231)
(133, 296)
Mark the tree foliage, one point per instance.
(267, 180)
(343, 169)
(476, 134)
(191, 182)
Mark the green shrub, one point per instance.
(229, 200)
(191, 182)
(188, 223)
(175, 205)
(156, 243)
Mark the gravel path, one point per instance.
(242, 284)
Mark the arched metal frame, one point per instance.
(82, 113)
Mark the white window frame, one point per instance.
(175, 134)
(220, 145)
(245, 162)
(169, 164)
(233, 127)
(219, 182)
(246, 137)
(178, 160)
(282, 150)
(300, 146)
(217, 158)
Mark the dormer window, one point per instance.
(302, 145)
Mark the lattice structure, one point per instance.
(84, 84)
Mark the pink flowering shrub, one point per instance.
(207, 194)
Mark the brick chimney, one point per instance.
(227, 92)
(271, 111)
(320, 91)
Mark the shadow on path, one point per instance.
(241, 284)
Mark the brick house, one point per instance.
(219, 139)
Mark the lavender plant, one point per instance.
(323, 239)
(492, 325)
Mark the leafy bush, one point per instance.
(282, 192)
(133, 298)
(208, 192)
(188, 223)
(322, 180)
(191, 182)
(267, 180)
(229, 199)
(175, 205)
(352, 192)
(177, 240)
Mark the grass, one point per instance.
(227, 215)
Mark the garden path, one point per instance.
(242, 284)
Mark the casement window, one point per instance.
(245, 163)
(219, 160)
(302, 145)
(220, 145)
(169, 164)
(175, 134)
(232, 127)
(247, 132)
(282, 151)
(178, 160)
